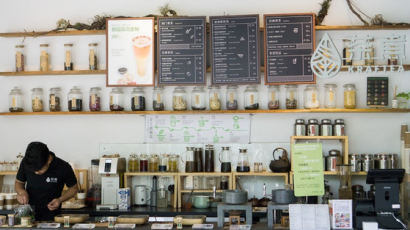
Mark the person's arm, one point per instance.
(22, 195)
(68, 194)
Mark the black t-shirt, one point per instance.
(44, 188)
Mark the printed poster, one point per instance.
(341, 214)
(130, 52)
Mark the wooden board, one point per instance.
(54, 33)
(74, 218)
(56, 72)
(132, 219)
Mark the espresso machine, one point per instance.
(111, 169)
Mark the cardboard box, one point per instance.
(124, 198)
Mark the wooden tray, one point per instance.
(191, 219)
(74, 218)
(132, 219)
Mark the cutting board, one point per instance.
(191, 219)
(132, 219)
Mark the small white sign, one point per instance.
(342, 217)
(162, 226)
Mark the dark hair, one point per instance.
(36, 156)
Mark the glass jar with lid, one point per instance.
(153, 163)
(214, 98)
(198, 98)
(251, 97)
(158, 98)
(179, 101)
(163, 163)
(143, 163)
(273, 96)
(138, 99)
(92, 56)
(330, 96)
(54, 99)
(68, 58)
(16, 100)
(291, 96)
(349, 96)
(173, 163)
(37, 100)
(75, 99)
(232, 97)
(20, 58)
(133, 163)
(311, 97)
(95, 99)
(243, 161)
(44, 58)
(116, 99)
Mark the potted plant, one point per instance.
(402, 99)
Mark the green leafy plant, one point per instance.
(404, 95)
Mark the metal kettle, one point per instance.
(281, 164)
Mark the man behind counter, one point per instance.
(40, 181)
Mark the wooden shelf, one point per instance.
(201, 191)
(8, 173)
(346, 68)
(205, 174)
(319, 137)
(150, 174)
(386, 27)
(211, 112)
(56, 72)
(266, 173)
(335, 173)
(55, 33)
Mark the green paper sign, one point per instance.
(307, 163)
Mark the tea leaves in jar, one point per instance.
(19, 58)
(68, 64)
(54, 99)
(291, 96)
(92, 57)
(37, 100)
(273, 97)
(75, 99)
(231, 97)
(138, 99)
(16, 100)
(116, 100)
(95, 99)
(44, 57)
(179, 102)
(214, 98)
(157, 99)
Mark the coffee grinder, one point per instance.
(385, 208)
(111, 169)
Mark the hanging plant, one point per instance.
(323, 11)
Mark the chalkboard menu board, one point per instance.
(289, 44)
(235, 49)
(181, 50)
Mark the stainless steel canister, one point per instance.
(339, 128)
(355, 162)
(300, 127)
(326, 128)
(313, 127)
(394, 161)
(367, 162)
(333, 160)
(382, 161)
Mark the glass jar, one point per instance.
(95, 99)
(54, 99)
(44, 58)
(232, 97)
(179, 101)
(291, 96)
(330, 96)
(243, 161)
(311, 97)
(189, 162)
(347, 52)
(116, 99)
(133, 163)
(158, 98)
(68, 58)
(16, 100)
(349, 96)
(225, 159)
(214, 98)
(198, 98)
(273, 97)
(75, 99)
(92, 56)
(251, 100)
(143, 163)
(37, 100)
(153, 163)
(138, 99)
(20, 58)
(369, 52)
(173, 163)
(163, 164)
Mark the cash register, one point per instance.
(385, 208)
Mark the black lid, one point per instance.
(95, 161)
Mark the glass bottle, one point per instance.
(163, 164)
(330, 96)
(347, 52)
(214, 98)
(16, 100)
(37, 100)
(251, 100)
(133, 164)
(44, 58)
(291, 96)
(95, 99)
(232, 97)
(75, 99)
(225, 159)
(190, 165)
(143, 163)
(92, 56)
(198, 98)
(273, 97)
(138, 99)
(116, 99)
(20, 58)
(54, 99)
(349, 96)
(209, 158)
(173, 163)
(311, 97)
(198, 159)
(68, 58)
(243, 161)
(153, 163)
(179, 101)
(158, 98)
(345, 178)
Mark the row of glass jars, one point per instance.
(45, 57)
(153, 163)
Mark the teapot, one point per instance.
(282, 164)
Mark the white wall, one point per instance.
(77, 138)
